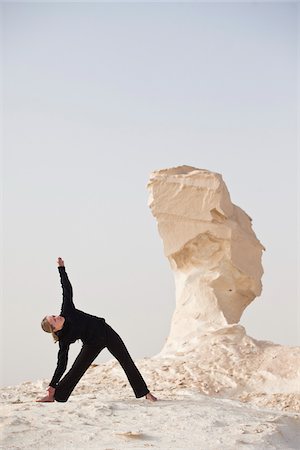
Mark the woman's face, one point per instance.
(56, 322)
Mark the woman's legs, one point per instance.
(83, 361)
(88, 353)
(118, 349)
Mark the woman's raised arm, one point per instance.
(67, 304)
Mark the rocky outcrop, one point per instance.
(213, 252)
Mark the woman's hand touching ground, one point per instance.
(49, 397)
(60, 262)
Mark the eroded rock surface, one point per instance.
(213, 252)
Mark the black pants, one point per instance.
(88, 353)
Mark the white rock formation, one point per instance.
(216, 260)
(212, 249)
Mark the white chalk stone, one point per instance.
(213, 252)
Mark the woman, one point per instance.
(95, 334)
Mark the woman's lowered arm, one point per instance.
(62, 361)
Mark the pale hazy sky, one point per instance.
(96, 96)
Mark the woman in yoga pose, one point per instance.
(95, 334)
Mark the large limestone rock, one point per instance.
(216, 260)
(212, 249)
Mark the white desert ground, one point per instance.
(217, 387)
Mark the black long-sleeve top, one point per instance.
(78, 325)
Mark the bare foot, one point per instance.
(151, 397)
(47, 399)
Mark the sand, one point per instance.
(102, 413)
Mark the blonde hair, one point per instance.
(48, 328)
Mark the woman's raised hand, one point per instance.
(60, 262)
